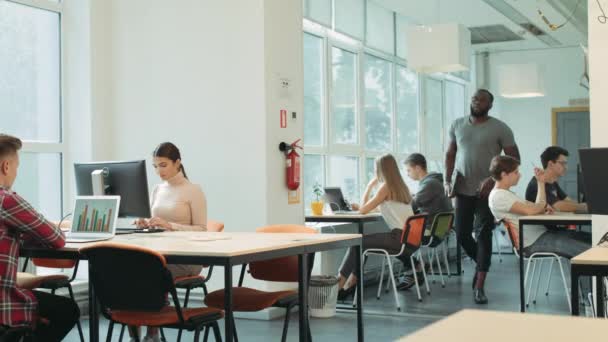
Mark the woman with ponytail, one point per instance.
(177, 205)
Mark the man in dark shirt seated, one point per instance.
(555, 163)
(429, 199)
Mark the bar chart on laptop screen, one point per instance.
(94, 216)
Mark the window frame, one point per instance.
(61, 146)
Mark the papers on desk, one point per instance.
(209, 238)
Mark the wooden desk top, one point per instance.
(593, 256)
(476, 325)
(344, 217)
(219, 244)
(557, 217)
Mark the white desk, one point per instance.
(360, 219)
(240, 248)
(478, 325)
(593, 262)
(551, 219)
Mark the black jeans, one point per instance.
(62, 314)
(472, 210)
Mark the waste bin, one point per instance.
(323, 296)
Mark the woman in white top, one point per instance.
(176, 204)
(394, 200)
(506, 205)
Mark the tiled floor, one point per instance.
(384, 323)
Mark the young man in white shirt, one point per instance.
(506, 205)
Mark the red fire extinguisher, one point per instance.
(292, 164)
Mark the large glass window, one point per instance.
(349, 17)
(314, 171)
(318, 10)
(344, 97)
(344, 172)
(378, 103)
(380, 28)
(454, 102)
(313, 90)
(30, 72)
(433, 131)
(38, 181)
(407, 110)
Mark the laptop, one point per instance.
(594, 164)
(94, 218)
(337, 203)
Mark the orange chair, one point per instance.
(132, 285)
(411, 241)
(51, 282)
(284, 269)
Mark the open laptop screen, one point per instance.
(95, 214)
(333, 196)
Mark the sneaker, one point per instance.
(409, 281)
(151, 339)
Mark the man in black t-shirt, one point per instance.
(555, 163)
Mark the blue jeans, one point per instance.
(565, 243)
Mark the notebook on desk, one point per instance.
(94, 218)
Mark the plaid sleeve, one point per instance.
(34, 228)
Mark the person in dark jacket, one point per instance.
(430, 197)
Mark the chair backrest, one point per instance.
(513, 233)
(54, 263)
(442, 224)
(215, 226)
(413, 231)
(128, 277)
(280, 269)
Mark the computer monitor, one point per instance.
(594, 164)
(127, 179)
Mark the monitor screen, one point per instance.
(127, 179)
(594, 164)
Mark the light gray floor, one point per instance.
(502, 288)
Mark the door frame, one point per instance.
(554, 112)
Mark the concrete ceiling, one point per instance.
(472, 13)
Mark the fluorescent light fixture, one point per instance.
(438, 48)
(520, 81)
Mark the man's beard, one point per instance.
(479, 114)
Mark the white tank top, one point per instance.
(395, 213)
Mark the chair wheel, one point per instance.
(527, 305)
(420, 300)
(534, 302)
(378, 298)
(443, 286)
(385, 291)
(398, 309)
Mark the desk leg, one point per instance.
(458, 256)
(93, 312)
(574, 290)
(303, 296)
(522, 302)
(359, 292)
(599, 282)
(228, 314)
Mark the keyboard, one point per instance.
(85, 239)
(149, 230)
(346, 212)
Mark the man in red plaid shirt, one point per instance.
(20, 223)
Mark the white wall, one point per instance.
(205, 76)
(530, 118)
(598, 55)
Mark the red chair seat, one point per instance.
(247, 299)
(30, 281)
(165, 316)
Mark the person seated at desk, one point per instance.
(394, 200)
(21, 223)
(555, 165)
(177, 205)
(430, 198)
(506, 205)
